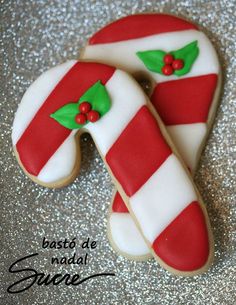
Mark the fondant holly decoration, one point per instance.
(178, 62)
(92, 105)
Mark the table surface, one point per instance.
(36, 35)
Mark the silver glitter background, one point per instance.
(36, 35)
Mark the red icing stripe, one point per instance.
(184, 244)
(137, 26)
(118, 205)
(44, 135)
(138, 152)
(185, 101)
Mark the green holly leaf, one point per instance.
(66, 116)
(188, 54)
(152, 59)
(96, 95)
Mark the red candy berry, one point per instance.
(177, 64)
(167, 70)
(85, 107)
(80, 119)
(93, 116)
(168, 59)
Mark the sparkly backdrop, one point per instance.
(36, 35)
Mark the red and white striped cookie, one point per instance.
(109, 104)
(186, 102)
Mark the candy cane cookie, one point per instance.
(156, 187)
(183, 68)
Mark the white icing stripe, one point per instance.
(127, 237)
(62, 162)
(35, 96)
(123, 54)
(127, 98)
(188, 139)
(162, 198)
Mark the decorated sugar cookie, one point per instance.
(183, 68)
(156, 188)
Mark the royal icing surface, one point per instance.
(167, 192)
(188, 140)
(122, 226)
(31, 148)
(59, 166)
(184, 245)
(184, 103)
(35, 96)
(123, 54)
(127, 98)
(119, 205)
(126, 156)
(128, 137)
(137, 26)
